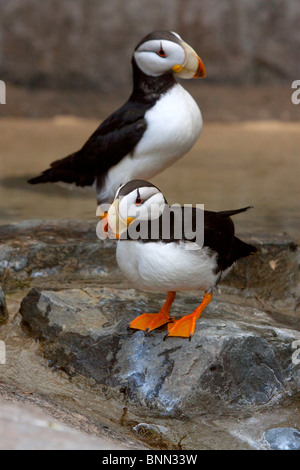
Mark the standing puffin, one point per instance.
(157, 125)
(165, 261)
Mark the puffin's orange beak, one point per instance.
(114, 224)
(104, 218)
(201, 70)
(193, 67)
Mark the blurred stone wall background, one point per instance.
(88, 43)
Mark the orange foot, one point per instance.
(185, 327)
(150, 321)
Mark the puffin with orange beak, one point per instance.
(158, 124)
(160, 253)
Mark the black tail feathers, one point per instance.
(234, 212)
(241, 249)
(71, 170)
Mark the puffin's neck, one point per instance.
(147, 88)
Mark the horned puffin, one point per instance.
(162, 261)
(158, 124)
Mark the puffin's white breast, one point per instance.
(161, 266)
(174, 124)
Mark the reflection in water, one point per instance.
(23, 201)
(232, 165)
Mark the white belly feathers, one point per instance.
(165, 267)
(174, 125)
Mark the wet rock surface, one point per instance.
(23, 427)
(56, 252)
(283, 439)
(237, 359)
(69, 350)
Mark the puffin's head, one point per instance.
(135, 201)
(164, 52)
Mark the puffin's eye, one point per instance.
(138, 200)
(161, 52)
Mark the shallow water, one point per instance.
(232, 165)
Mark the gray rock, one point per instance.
(85, 44)
(59, 252)
(273, 274)
(24, 427)
(239, 358)
(3, 308)
(283, 438)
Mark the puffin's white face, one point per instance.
(142, 203)
(156, 57)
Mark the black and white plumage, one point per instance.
(168, 263)
(157, 125)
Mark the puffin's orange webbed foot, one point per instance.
(185, 327)
(150, 321)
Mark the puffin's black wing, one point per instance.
(218, 236)
(115, 138)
